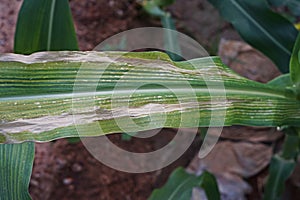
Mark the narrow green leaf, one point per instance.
(126, 137)
(153, 9)
(295, 65)
(45, 25)
(203, 132)
(210, 186)
(15, 170)
(277, 2)
(180, 186)
(290, 149)
(264, 29)
(73, 140)
(38, 100)
(282, 165)
(164, 3)
(280, 170)
(283, 80)
(170, 38)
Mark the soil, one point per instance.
(64, 170)
(72, 173)
(97, 20)
(8, 18)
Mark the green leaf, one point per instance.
(15, 170)
(283, 80)
(170, 38)
(126, 137)
(290, 148)
(42, 94)
(210, 186)
(180, 186)
(280, 170)
(73, 140)
(282, 165)
(153, 9)
(163, 3)
(172, 47)
(45, 25)
(264, 29)
(295, 65)
(277, 2)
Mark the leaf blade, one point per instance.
(38, 103)
(180, 185)
(210, 186)
(282, 165)
(41, 24)
(265, 30)
(280, 170)
(15, 170)
(295, 65)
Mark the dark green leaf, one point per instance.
(180, 186)
(15, 170)
(126, 137)
(282, 81)
(203, 132)
(264, 29)
(73, 140)
(277, 2)
(164, 3)
(45, 25)
(282, 165)
(290, 147)
(295, 65)
(280, 170)
(210, 186)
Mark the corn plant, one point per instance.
(36, 96)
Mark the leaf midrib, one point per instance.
(212, 92)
